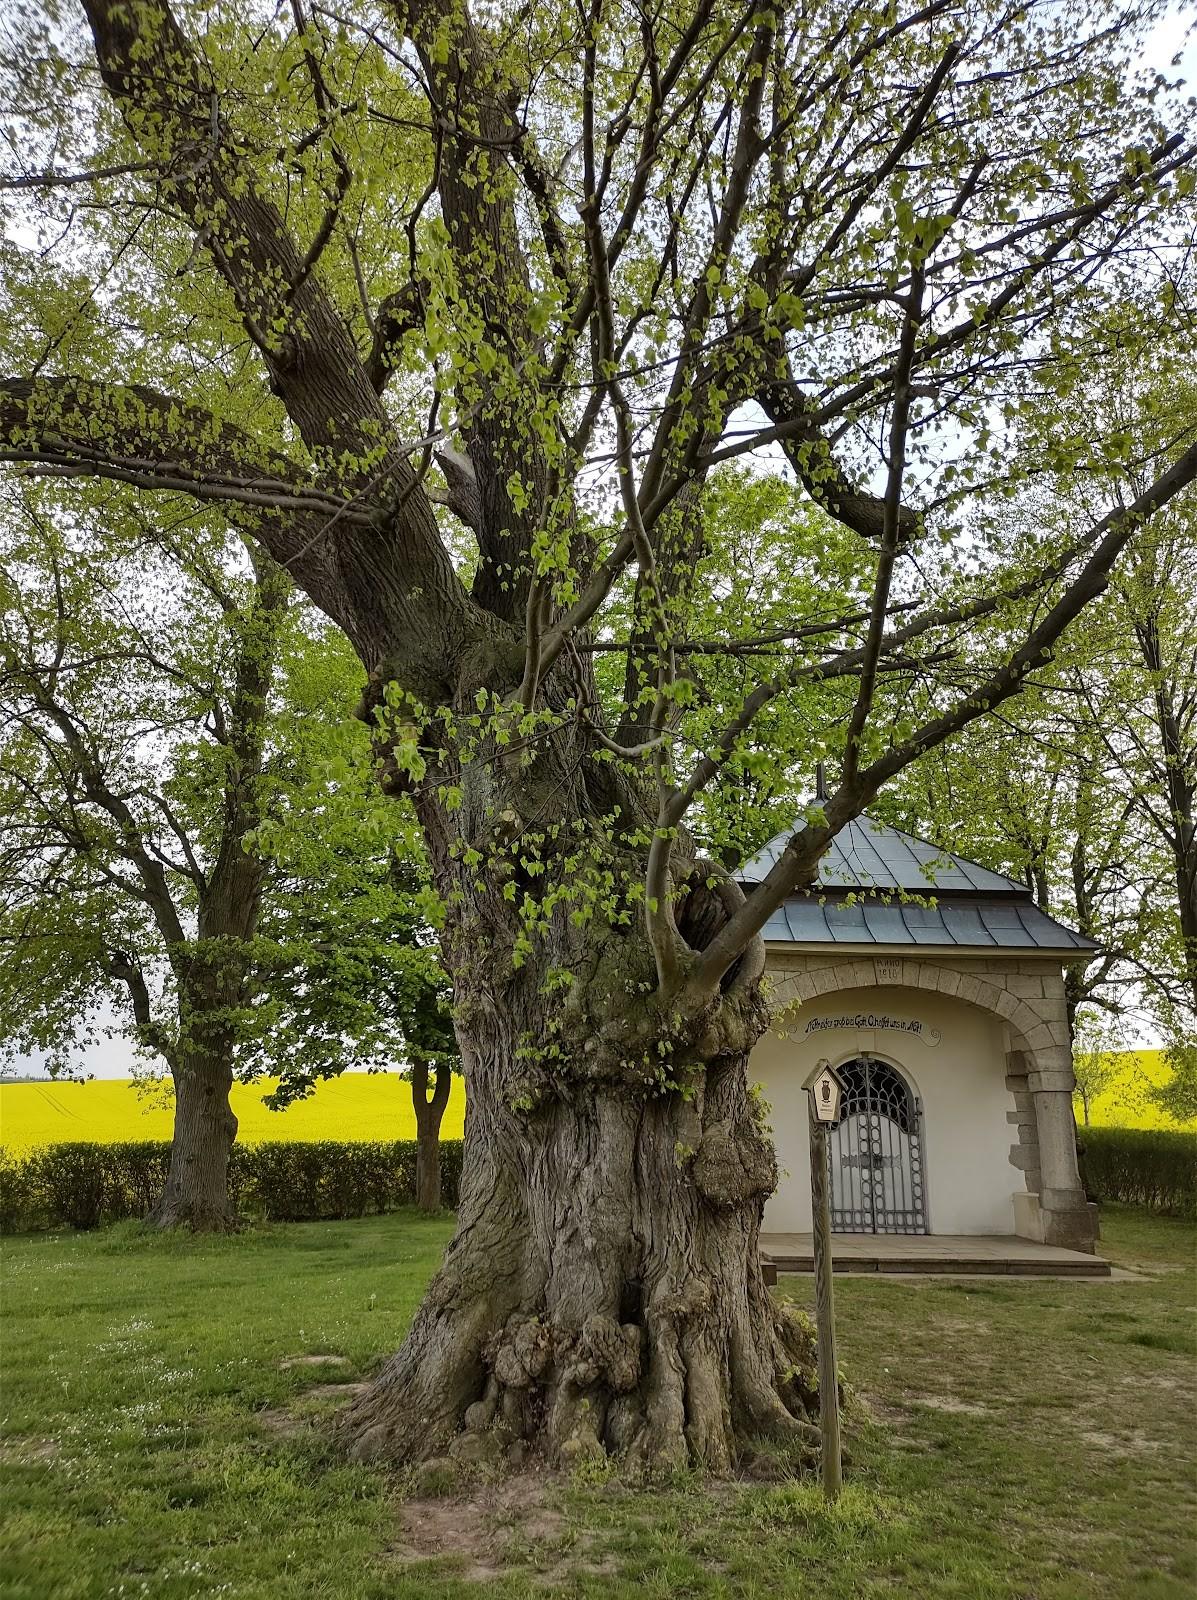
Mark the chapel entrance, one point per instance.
(875, 1153)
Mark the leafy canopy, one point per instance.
(459, 312)
(130, 766)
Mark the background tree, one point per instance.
(1033, 792)
(1096, 1048)
(426, 1023)
(133, 737)
(1156, 732)
(352, 968)
(1177, 1095)
(160, 711)
(410, 264)
(1068, 791)
(1149, 702)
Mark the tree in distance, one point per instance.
(169, 727)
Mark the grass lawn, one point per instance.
(1022, 1439)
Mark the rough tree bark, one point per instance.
(430, 1114)
(603, 1290)
(196, 1195)
(200, 1055)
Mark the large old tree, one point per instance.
(460, 314)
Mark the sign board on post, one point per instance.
(827, 1090)
(825, 1093)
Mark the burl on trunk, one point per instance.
(603, 1291)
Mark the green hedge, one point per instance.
(1143, 1167)
(85, 1185)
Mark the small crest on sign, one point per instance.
(826, 1089)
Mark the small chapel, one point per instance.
(936, 989)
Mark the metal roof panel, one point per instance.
(884, 922)
(977, 924)
(866, 854)
(1006, 926)
(847, 923)
(1046, 932)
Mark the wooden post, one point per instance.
(829, 1388)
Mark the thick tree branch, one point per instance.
(124, 967)
(134, 434)
(173, 110)
(477, 134)
(815, 466)
(797, 862)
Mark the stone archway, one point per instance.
(812, 980)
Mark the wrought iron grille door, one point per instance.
(876, 1153)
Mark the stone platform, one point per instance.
(933, 1252)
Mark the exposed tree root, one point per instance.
(678, 1388)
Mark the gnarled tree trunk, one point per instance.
(603, 1290)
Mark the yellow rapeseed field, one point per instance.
(356, 1106)
(1128, 1103)
(364, 1106)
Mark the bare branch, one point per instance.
(798, 860)
(890, 531)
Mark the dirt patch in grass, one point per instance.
(432, 1528)
(486, 1527)
(881, 1411)
(288, 1362)
(23, 1452)
(952, 1404)
(279, 1421)
(285, 1422)
(555, 1577)
(1118, 1444)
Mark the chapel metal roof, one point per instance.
(864, 889)
(869, 855)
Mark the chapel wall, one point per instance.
(954, 1057)
(1025, 1083)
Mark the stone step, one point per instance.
(931, 1255)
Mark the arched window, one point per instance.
(875, 1153)
(874, 1085)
